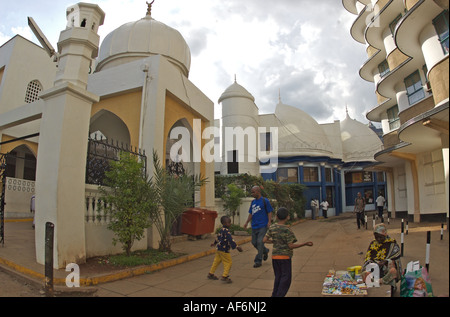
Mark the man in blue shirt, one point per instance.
(260, 214)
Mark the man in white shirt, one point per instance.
(380, 206)
(324, 204)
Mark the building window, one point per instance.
(232, 162)
(330, 196)
(287, 175)
(265, 140)
(358, 177)
(33, 90)
(367, 177)
(310, 174)
(393, 119)
(328, 175)
(383, 68)
(414, 88)
(393, 24)
(381, 177)
(441, 25)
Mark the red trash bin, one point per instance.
(198, 221)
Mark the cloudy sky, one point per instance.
(301, 48)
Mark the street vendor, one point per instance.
(385, 252)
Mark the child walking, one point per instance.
(224, 242)
(283, 240)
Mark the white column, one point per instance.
(61, 161)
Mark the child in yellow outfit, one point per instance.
(224, 242)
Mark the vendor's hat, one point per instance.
(380, 229)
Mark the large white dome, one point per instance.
(299, 133)
(144, 38)
(359, 141)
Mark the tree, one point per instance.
(173, 194)
(128, 199)
(232, 199)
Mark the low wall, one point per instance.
(242, 213)
(98, 237)
(18, 194)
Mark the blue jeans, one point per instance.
(257, 241)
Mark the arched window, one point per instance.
(33, 90)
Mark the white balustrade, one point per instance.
(93, 213)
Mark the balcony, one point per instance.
(359, 25)
(379, 112)
(390, 139)
(370, 67)
(425, 130)
(415, 20)
(383, 14)
(416, 109)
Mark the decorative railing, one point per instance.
(101, 152)
(94, 214)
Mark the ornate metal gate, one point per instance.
(101, 152)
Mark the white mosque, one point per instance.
(134, 89)
(330, 159)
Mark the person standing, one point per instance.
(283, 240)
(316, 201)
(380, 206)
(313, 209)
(360, 204)
(260, 215)
(324, 205)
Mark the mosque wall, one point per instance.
(21, 62)
(127, 107)
(175, 110)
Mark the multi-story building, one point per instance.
(407, 43)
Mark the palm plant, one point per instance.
(173, 195)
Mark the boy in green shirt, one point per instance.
(283, 240)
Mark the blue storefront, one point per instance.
(327, 178)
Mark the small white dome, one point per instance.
(359, 141)
(141, 39)
(236, 90)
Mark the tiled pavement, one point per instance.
(338, 244)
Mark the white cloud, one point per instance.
(302, 48)
(23, 31)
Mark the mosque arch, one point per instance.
(179, 148)
(107, 125)
(21, 163)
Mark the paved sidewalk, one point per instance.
(338, 244)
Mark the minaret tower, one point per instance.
(240, 116)
(61, 161)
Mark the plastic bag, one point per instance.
(416, 284)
